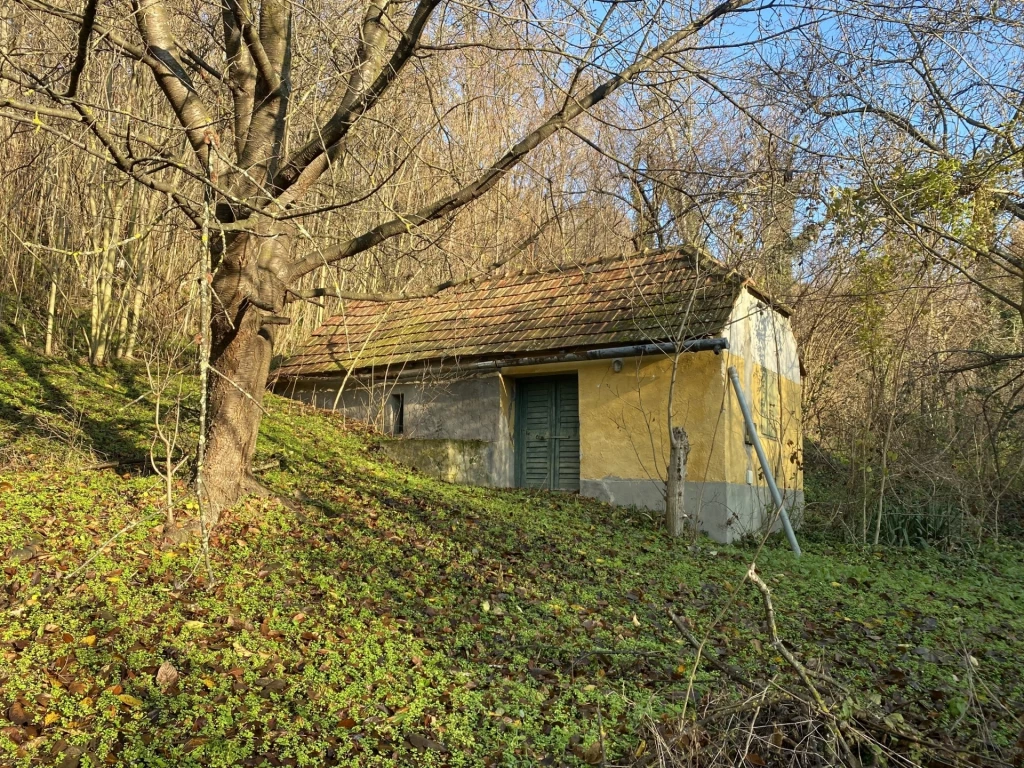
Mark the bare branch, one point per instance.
(514, 156)
(84, 31)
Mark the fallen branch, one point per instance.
(114, 463)
(709, 653)
(801, 670)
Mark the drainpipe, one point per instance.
(634, 350)
(768, 476)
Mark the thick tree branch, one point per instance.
(311, 160)
(271, 52)
(151, 18)
(82, 114)
(131, 50)
(433, 290)
(84, 31)
(240, 71)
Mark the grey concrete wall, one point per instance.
(727, 511)
(454, 429)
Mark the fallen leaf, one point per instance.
(167, 675)
(129, 700)
(240, 650)
(422, 742)
(593, 754)
(16, 714)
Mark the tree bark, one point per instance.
(675, 509)
(246, 288)
(51, 313)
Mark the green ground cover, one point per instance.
(385, 618)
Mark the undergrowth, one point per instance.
(399, 620)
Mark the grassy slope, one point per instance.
(396, 614)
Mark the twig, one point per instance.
(801, 670)
(708, 653)
(872, 724)
(113, 463)
(102, 547)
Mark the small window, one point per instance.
(396, 413)
(771, 411)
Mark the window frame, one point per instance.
(396, 413)
(770, 416)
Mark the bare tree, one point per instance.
(235, 110)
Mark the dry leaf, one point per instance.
(240, 650)
(167, 675)
(129, 700)
(17, 714)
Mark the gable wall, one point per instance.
(763, 349)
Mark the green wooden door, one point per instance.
(548, 433)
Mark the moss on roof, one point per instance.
(635, 299)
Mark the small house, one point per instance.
(565, 380)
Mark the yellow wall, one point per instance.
(624, 416)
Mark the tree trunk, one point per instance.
(51, 312)
(675, 510)
(248, 283)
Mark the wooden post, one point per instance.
(51, 312)
(675, 510)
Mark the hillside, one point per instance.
(385, 618)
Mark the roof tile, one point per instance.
(634, 300)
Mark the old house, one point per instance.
(561, 380)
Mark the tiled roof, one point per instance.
(629, 300)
